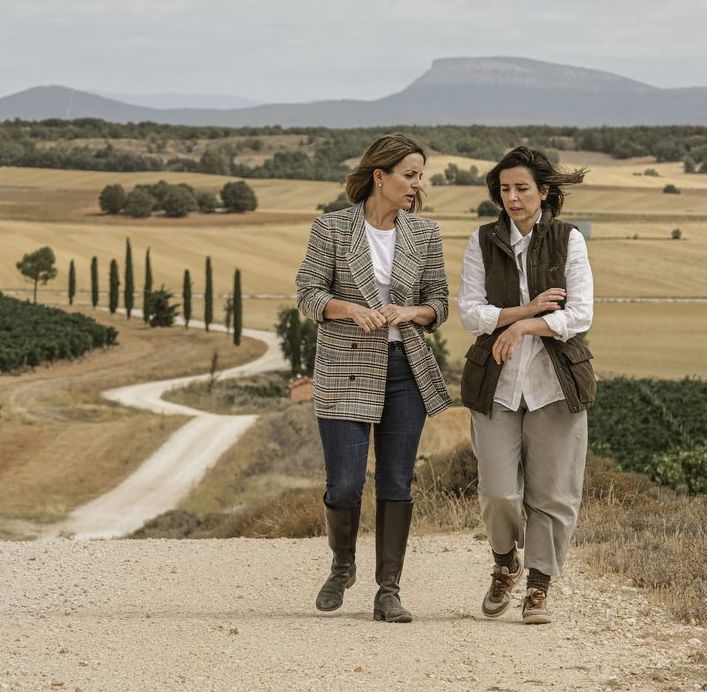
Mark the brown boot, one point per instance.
(392, 529)
(342, 529)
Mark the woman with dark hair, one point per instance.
(373, 279)
(527, 295)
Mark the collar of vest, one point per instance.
(502, 226)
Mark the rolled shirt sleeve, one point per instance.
(316, 273)
(478, 317)
(576, 318)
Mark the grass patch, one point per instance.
(652, 536)
(244, 395)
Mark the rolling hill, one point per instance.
(454, 91)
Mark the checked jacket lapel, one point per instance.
(360, 262)
(406, 261)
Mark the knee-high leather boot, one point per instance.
(342, 530)
(392, 529)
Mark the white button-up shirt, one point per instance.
(529, 374)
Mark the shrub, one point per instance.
(178, 202)
(487, 208)
(206, 202)
(158, 191)
(139, 203)
(238, 197)
(341, 202)
(651, 172)
(454, 471)
(161, 312)
(670, 189)
(685, 469)
(676, 234)
(112, 199)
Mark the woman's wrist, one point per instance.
(520, 326)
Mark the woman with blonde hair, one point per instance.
(527, 295)
(373, 279)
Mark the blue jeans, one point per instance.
(396, 439)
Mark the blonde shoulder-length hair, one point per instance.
(385, 153)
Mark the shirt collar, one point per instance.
(518, 237)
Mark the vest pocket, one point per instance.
(475, 372)
(579, 364)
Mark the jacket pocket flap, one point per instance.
(578, 354)
(478, 355)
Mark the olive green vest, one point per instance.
(547, 255)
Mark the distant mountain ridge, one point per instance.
(454, 91)
(175, 100)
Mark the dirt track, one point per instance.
(238, 615)
(176, 467)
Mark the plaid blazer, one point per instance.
(351, 365)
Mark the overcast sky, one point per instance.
(303, 50)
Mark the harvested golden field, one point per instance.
(269, 244)
(664, 340)
(273, 194)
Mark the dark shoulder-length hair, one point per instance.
(385, 153)
(544, 173)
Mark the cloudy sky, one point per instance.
(303, 50)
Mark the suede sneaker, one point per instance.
(535, 611)
(503, 581)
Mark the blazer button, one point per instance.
(352, 377)
(354, 345)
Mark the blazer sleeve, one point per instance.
(434, 289)
(316, 273)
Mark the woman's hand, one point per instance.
(547, 301)
(507, 341)
(398, 314)
(366, 318)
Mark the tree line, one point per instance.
(175, 200)
(24, 143)
(158, 306)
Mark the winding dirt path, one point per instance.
(176, 467)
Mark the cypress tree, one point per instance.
(186, 298)
(113, 287)
(94, 281)
(237, 308)
(129, 289)
(148, 286)
(208, 296)
(72, 282)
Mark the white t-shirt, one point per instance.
(382, 245)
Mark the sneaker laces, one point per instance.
(535, 598)
(501, 581)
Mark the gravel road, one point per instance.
(238, 614)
